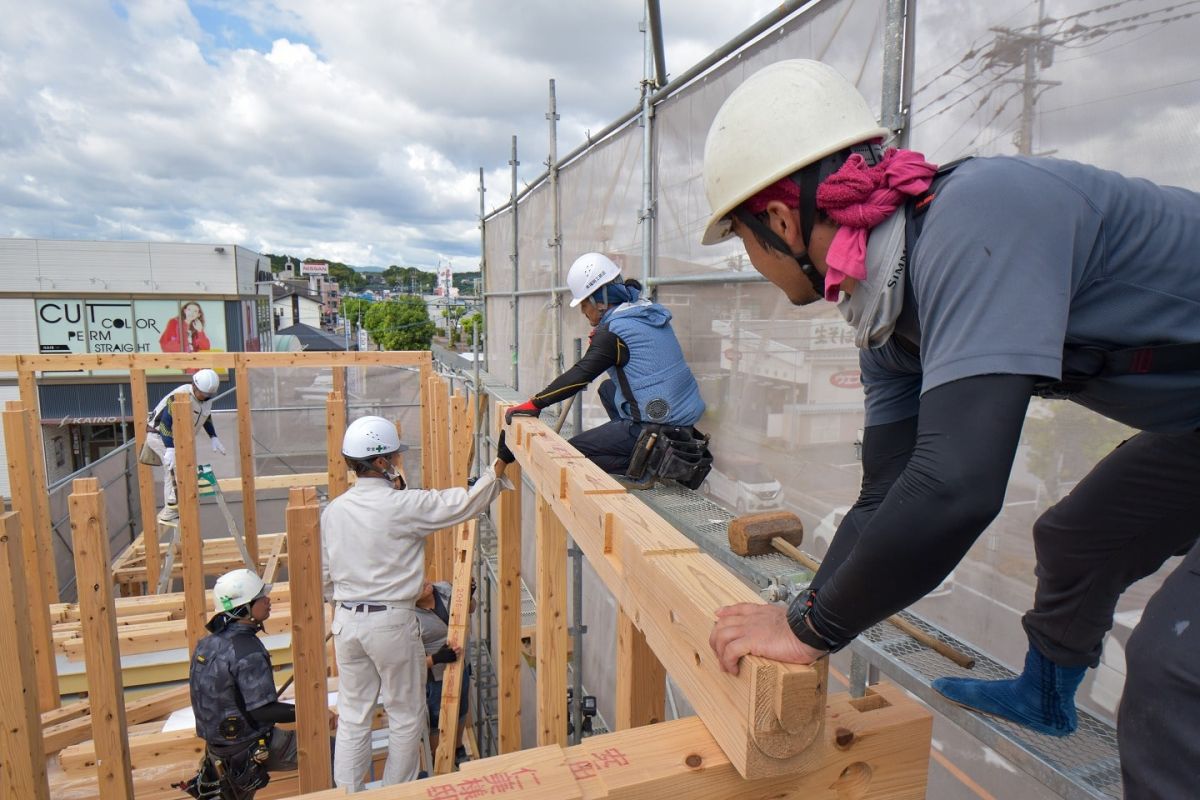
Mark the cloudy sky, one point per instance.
(352, 129)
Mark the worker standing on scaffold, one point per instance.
(160, 439)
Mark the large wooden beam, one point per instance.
(462, 431)
(245, 421)
(426, 429)
(456, 635)
(146, 708)
(308, 639)
(641, 679)
(507, 646)
(335, 429)
(22, 759)
(89, 529)
(27, 380)
(551, 642)
(20, 479)
(191, 552)
(145, 476)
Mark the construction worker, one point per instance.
(160, 427)
(433, 619)
(234, 698)
(970, 289)
(373, 540)
(649, 385)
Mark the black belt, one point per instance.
(366, 607)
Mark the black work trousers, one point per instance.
(609, 446)
(1139, 506)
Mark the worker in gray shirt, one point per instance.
(433, 617)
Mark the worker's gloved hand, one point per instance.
(217, 446)
(444, 656)
(526, 409)
(502, 451)
(169, 459)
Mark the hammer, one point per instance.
(758, 534)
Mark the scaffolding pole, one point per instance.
(555, 242)
(515, 347)
(648, 86)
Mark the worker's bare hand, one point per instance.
(756, 629)
(333, 721)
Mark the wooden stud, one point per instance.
(308, 639)
(145, 476)
(444, 539)
(20, 477)
(144, 709)
(30, 399)
(462, 432)
(508, 647)
(22, 759)
(339, 380)
(551, 626)
(191, 552)
(89, 528)
(641, 679)
(335, 429)
(456, 635)
(426, 428)
(245, 421)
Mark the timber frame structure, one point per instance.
(771, 731)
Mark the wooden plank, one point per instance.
(264, 483)
(144, 709)
(245, 420)
(508, 646)
(335, 429)
(462, 429)
(641, 679)
(190, 552)
(145, 474)
(22, 759)
(20, 479)
(308, 639)
(37, 450)
(456, 636)
(272, 563)
(426, 428)
(89, 529)
(551, 644)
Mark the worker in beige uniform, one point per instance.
(373, 542)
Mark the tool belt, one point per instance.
(670, 452)
(234, 775)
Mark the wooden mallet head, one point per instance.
(751, 534)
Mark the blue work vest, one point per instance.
(658, 377)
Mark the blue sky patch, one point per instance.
(229, 31)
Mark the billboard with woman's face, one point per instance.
(131, 326)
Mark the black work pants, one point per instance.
(609, 446)
(1139, 506)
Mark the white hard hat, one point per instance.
(237, 588)
(368, 437)
(782, 118)
(589, 272)
(206, 380)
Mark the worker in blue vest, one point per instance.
(650, 386)
(971, 288)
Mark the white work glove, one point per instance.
(217, 446)
(169, 459)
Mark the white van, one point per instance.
(743, 485)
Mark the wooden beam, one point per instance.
(641, 679)
(551, 641)
(30, 399)
(245, 420)
(145, 476)
(335, 429)
(508, 646)
(146, 708)
(339, 381)
(22, 759)
(263, 483)
(89, 529)
(426, 429)
(190, 551)
(456, 635)
(308, 639)
(20, 479)
(462, 429)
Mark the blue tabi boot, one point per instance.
(1041, 698)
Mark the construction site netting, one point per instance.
(1110, 84)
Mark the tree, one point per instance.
(354, 309)
(400, 324)
(453, 314)
(469, 324)
(348, 279)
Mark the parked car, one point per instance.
(743, 485)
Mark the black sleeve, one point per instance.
(950, 489)
(605, 350)
(275, 712)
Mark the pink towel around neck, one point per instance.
(858, 197)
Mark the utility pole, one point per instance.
(1035, 51)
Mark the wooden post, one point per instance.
(508, 651)
(444, 539)
(145, 477)
(93, 578)
(462, 431)
(339, 381)
(246, 457)
(426, 427)
(641, 679)
(27, 379)
(22, 759)
(551, 627)
(335, 429)
(460, 622)
(191, 552)
(20, 478)
(308, 638)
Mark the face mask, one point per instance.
(876, 303)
